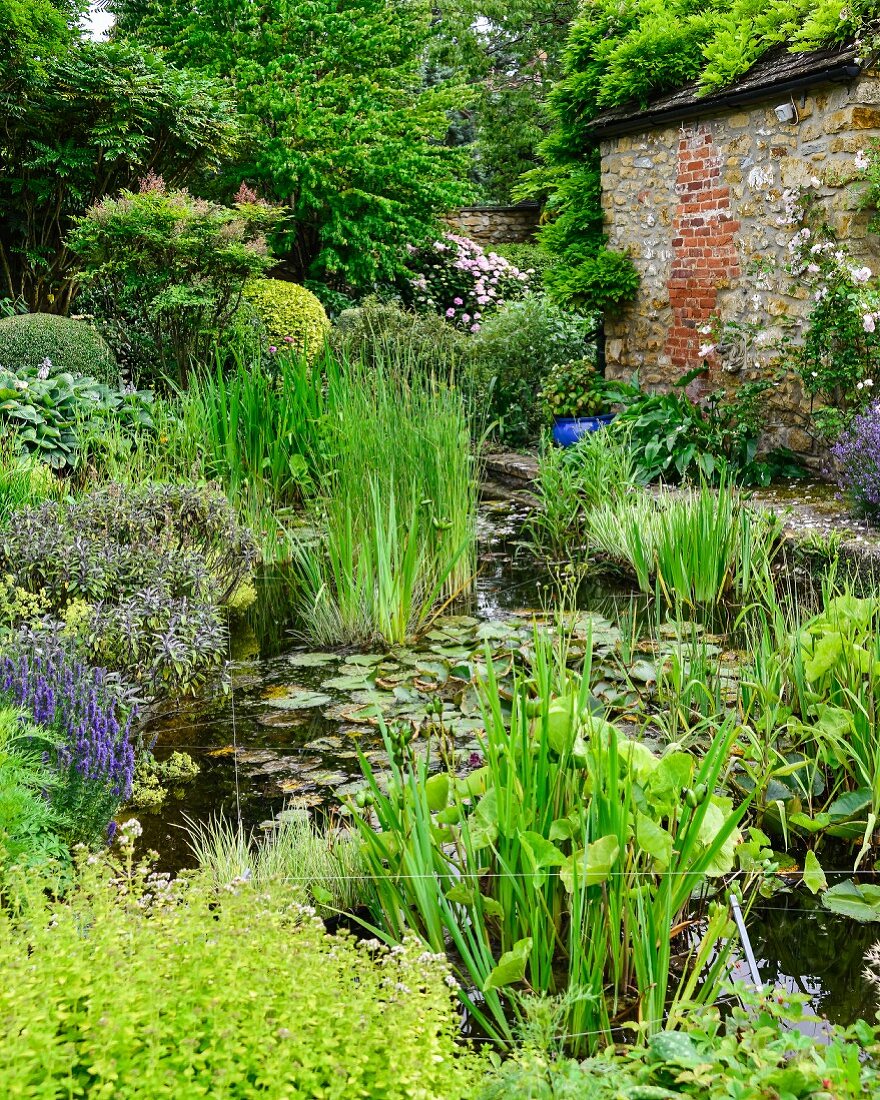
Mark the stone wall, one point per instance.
(496, 224)
(698, 207)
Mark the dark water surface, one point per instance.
(254, 758)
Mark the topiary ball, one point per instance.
(291, 315)
(27, 339)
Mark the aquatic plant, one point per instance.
(699, 545)
(323, 866)
(759, 1047)
(397, 502)
(563, 863)
(599, 469)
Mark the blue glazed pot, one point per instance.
(567, 430)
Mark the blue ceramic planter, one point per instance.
(567, 430)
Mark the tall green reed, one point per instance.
(599, 469)
(701, 545)
(396, 504)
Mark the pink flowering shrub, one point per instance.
(460, 280)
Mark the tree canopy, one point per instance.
(95, 119)
(339, 124)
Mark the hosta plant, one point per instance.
(46, 413)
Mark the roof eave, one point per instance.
(647, 119)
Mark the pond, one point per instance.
(289, 723)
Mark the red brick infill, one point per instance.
(703, 251)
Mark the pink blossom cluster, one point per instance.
(459, 279)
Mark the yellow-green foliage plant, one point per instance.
(292, 316)
(256, 998)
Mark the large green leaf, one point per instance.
(861, 903)
(814, 876)
(590, 866)
(511, 967)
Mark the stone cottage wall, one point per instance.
(496, 224)
(697, 207)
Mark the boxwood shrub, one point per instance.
(291, 315)
(27, 339)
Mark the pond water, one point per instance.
(288, 724)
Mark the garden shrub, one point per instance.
(512, 353)
(29, 339)
(139, 575)
(292, 317)
(857, 460)
(173, 264)
(457, 278)
(383, 332)
(257, 998)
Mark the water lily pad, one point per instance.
(312, 660)
(365, 659)
(323, 744)
(347, 683)
(297, 698)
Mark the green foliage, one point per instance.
(699, 546)
(29, 826)
(675, 438)
(28, 339)
(24, 482)
(600, 468)
(508, 53)
(323, 866)
(383, 332)
(292, 317)
(574, 389)
(153, 778)
(32, 32)
(397, 502)
(98, 118)
(513, 351)
(282, 1007)
(339, 125)
(255, 430)
(47, 415)
(536, 261)
(765, 1047)
(174, 263)
(561, 864)
(596, 282)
